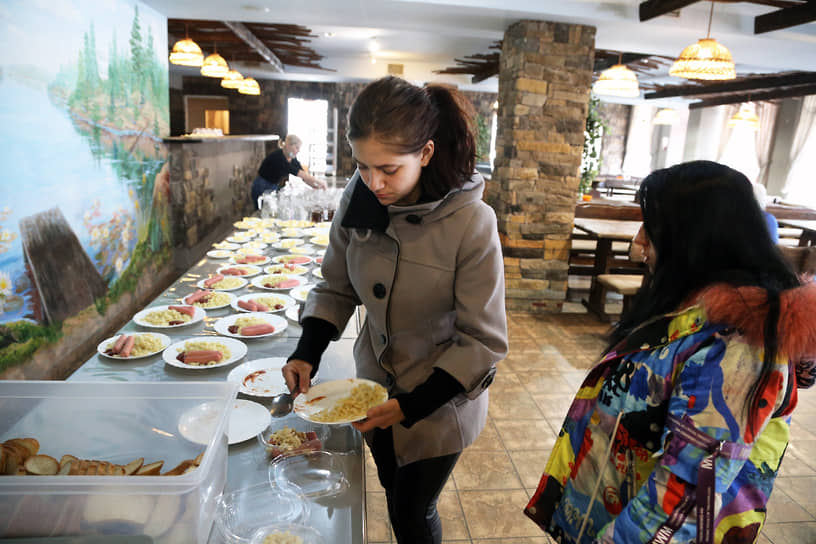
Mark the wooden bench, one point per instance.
(625, 284)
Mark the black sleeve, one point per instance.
(317, 333)
(438, 389)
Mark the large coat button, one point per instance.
(379, 290)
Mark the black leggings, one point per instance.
(411, 490)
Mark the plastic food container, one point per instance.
(243, 512)
(316, 473)
(307, 535)
(114, 422)
(320, 433)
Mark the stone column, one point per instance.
(544, 84)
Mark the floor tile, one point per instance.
(513, 405)
(378, 528)
(790, 533)
(525, 434)
(488, 440)
(453, 519)
(530, 465)
(485, 470)
(497, 514)
(782, 509)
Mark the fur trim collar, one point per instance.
(746, 307)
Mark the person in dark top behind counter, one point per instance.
(276, 167)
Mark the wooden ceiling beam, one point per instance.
(655, 8)
(252, 41)
(742, 84)
(785, 18)
(791, 92)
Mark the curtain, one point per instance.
(637, 160)
(798, 185)
(766, 111)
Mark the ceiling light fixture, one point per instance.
(249, 86)
(617, 80)
(373, 45)
(232, 80)
(215, 65)
(665, 116)
(705, 59)
(746, 117)
(186, 52)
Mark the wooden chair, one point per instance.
(625, 284)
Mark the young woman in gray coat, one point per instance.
(414, 243)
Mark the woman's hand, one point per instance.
(297, 374)
(383, 416)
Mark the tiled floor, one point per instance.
(483, 501)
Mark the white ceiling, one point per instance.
(427, 35)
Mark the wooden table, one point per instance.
(604, 232)
(808, 237)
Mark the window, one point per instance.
(308, 119)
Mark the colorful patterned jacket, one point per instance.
(698, 365)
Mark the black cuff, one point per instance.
(317, 333)
(427, 397)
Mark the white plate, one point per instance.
(291, 232)
(222, 325)
(237, 350)
(296, 270)
(219, 254)
(257, 244)
(262, 262)
(300, 293)
(241, 237)
(107, 344)
(251, 269)
(287, 301)
(295, 223)
(286, 243)
(317, 273)
(247, 223)
(261, 377)
(318, 259)
(225, 245)
(298, 259)
(246, 420)
(325, 395)
(139, 317)
(244, 281)
(293, 313)
(258, 281)
(302, 250)
(230, 295)
(319, 240)
(248, 251)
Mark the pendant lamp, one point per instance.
(617, 81)
(186, 53)
(665, 116)
(249, 86)
(746, 117)
(215, 66)
(705, 59)
(232, 80)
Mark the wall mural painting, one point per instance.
(83, 106)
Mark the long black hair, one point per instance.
(706, 228)
(405, 117)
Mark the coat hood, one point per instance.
(746, 308)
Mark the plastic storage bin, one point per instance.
(115, 422)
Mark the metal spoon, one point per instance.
(281, 405)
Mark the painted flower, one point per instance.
(5, 284)
(119, 264)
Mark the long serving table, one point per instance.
(604, 232)
(340, 518)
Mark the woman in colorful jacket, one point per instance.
(413, 242)
(677, 434)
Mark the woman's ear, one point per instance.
(426, 153)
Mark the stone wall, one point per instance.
(266, 114)
(613, 146)
(544, 86)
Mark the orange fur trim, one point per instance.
(746, 307)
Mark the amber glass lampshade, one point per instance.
(249, 86)
(186, 53)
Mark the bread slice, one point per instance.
(179, 469)
(31, 444)
(134, 466)
(42, 465)
(151, 469)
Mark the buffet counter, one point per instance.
(340, 518)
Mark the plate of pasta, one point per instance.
(169, 316)
(135, 345)
(262, 302)
(204, 352)
(209, 300)
(250, 325)
(221, 282)
(277, 282)
(339, 401)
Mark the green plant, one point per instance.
(482, 138)
(591, 155)
(20, 339)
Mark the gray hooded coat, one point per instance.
(431, 278)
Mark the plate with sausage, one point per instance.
(135, 345)
(262, 302)
(169, 316)
(250, 325)
(203, 352)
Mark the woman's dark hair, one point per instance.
(405, 116)
(706, 227)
